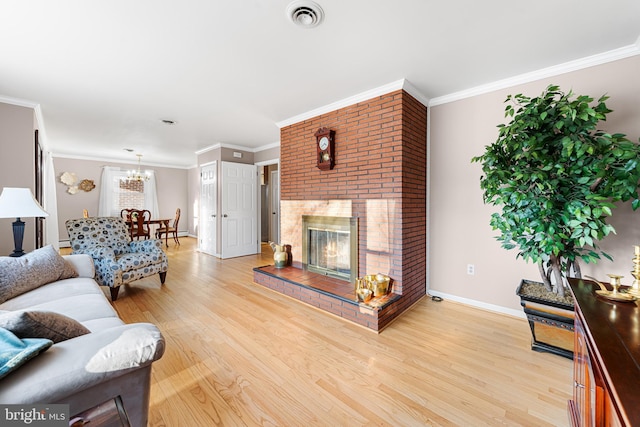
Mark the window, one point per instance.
(130, 194)
(116, 193)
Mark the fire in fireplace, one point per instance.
(330, 246)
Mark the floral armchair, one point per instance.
(117, 259)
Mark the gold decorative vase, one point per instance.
(364, 295)
(378, 283)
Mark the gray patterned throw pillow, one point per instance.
(37, 268)
(42, 324)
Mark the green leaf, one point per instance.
(584, 180)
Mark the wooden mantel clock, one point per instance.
(325, 145)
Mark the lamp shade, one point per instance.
(19, 203)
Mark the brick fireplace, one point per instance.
(379, 178)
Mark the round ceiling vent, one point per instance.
(305, 13)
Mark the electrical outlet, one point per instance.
(471, 269)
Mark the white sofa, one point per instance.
(113, 360)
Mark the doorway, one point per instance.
(207, 231)
(274, 226)
(269, 180)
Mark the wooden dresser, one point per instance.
(606, 387)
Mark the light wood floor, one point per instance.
(240, 355)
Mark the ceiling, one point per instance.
(106, 73)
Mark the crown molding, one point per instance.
(209, 148)
(267, 146)
(567, 67)
(413, 91)
(238, 147)
(37, 110)
(360, 97)
(19, 102)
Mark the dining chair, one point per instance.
(173, 229)
(126, 214)
(138, 222)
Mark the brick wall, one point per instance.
(379, 177)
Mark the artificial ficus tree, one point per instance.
(556, 179)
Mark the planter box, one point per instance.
(551, 324)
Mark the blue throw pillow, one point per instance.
(14, 352)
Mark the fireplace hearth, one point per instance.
(328, 294)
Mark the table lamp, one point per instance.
(19, 203)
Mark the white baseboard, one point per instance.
(480, 304)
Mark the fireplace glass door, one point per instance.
(329, 251)
(329, 246)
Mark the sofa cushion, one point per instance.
(79, 307)
(102, 323)
(14, 352)
(22, 274)
(42, 324)
(52, 292)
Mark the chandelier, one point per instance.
(137, 174)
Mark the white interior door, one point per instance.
(274, 199)
(207, 232)
(239, 209)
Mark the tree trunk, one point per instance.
(557, 274)
(576, 269)
(545, 277)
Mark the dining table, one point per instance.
(162, 222)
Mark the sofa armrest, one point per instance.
(83, 264)
(74, 365)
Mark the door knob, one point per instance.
(224, 215)
(213, 216)
(273, 213)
